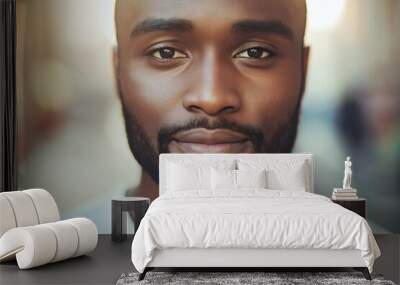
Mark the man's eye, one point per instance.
(254, 53)
(167, 53)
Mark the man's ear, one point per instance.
(306, 56)
(115, 59)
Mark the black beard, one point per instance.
(140, 145)
(147, 155)
(166, 134)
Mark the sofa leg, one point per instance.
(364, 271)
(143, 274)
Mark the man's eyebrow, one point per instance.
(156, 25)
(269, 27)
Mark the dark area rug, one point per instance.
(229, 278)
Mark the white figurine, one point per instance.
(347, 174)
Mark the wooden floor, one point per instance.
(110, 260)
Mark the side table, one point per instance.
(358, 206)
(136, 206)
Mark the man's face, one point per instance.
(209, 76)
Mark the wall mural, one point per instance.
(108, 85)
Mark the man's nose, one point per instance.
(214, 93)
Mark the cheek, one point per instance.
(272, 96)
(148, 96)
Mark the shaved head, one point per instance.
(223, 76)
(127, 10)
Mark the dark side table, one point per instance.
(136, 206)
(358, 206)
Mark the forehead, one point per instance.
(211, 14)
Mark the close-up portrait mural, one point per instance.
(186, 88)
(108, 85)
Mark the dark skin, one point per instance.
(209, 76)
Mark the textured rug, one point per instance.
(244, 278)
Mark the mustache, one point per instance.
(165, 135)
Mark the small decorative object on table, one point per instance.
(137, 206)
(345, 193)
(347, 196)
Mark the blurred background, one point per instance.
(71, 136)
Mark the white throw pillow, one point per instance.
(223, 179)
(226, 179)
(251, 178)
(281, 174)
(193, 174)
(289, 179)
(181, 178)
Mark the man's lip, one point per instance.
(209, 137)
(181, 147)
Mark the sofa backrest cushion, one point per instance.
(26, 208)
